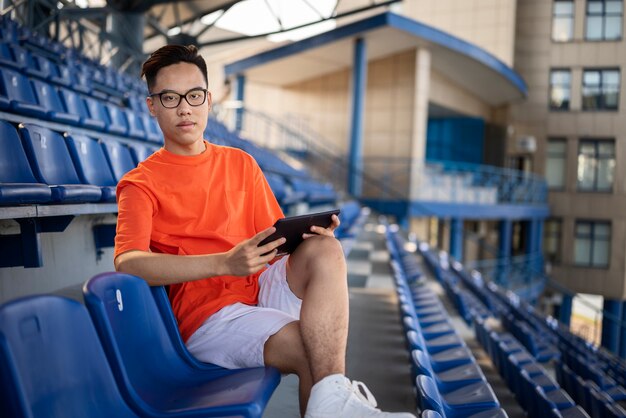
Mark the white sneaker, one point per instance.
(337, 397)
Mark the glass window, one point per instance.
(601, 89)
(563, 20)
(604, 20)
(592, 245)
(555, 163)
(552, 240)
(560, 85)
(596, 165)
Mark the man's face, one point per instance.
(183, 125)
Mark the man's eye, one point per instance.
(194, 95)
(169, 97)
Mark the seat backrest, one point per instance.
(117, 117)
(16, 86)
(140, 151)
(47, 96)
(119, 157)
(134, 337)
(13, 161)
(422, 363)
(428, 394)
(52, 364)
(96, 110)
(91, 164)
(73, 102)
(48, 155)
(171, 325)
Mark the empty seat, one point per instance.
(75, 105)
(20, 93)
(52, 364)
(91, 165)
(447, 380)
(117, 119)
(150, 371)
(135, 124)
(97, 111)
(17, 182)
(141, 151)
(48, 98)
(119, 157)
(52, 164)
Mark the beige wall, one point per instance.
(535, 55)
(489, 24)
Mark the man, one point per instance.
(191, 216)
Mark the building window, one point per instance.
(563, 20)
(592, 245)
(596, 165)
(560, 85)
(601, 89)
(552, 240)
(604, 20)
(555, 163)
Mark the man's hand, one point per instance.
(247, 257)
(329, 232)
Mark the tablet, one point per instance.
(293, 227)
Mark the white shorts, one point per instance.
(234, 337)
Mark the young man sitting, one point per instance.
(191, 216)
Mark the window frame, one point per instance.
(596, 143)
(562, 140)
(552, 85)
(555, 16)
(558, 235)
(602, 107)
(593, 223)
(603, 15)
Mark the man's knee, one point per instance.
(321, 248)
(285, 349)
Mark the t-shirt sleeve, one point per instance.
(134, 219)
(267, 209)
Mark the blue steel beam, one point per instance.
(359, 82)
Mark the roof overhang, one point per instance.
(469, 66)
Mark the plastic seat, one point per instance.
(52, 164)
(140, 151)
(91, 165)
(20, 93)
(17, 182)
(26, 62)
(153, 132)
(430, 414)
(52, 364)
(48, 98)
(119, 157)
(554, 399)
(574, 412)
(136, 128)
(149, 370)
(464, 402)
(75, 105)
(97, 111)
(448, 380)
(117, 119)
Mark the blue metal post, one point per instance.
(504, 250)
(565, 312)
(610, 326)
(456, 238)
(241, 84)
(359, 82)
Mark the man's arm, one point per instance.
(164, 269)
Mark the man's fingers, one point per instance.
(262, 235)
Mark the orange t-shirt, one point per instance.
(192, 205)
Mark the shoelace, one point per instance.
(363, 393)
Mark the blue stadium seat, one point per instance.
(135, 124)
(171, 325)
(91, 165)
(574, 412)
(430, 414)
(48, 98)
(75, 105)
(6, 57)
(26, 62)
(52, 164)
(119, 157)
(52, 364)
(117, 119)
(466, 402)
(448, 380)
(97, 111)
(17, 182)
(141, 151)
(150, 371)
(20, 93)
(153, 132)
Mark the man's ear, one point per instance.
(209, 99)
(150, 105)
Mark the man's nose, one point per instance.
(183, 107)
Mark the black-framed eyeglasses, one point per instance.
(171, 99)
